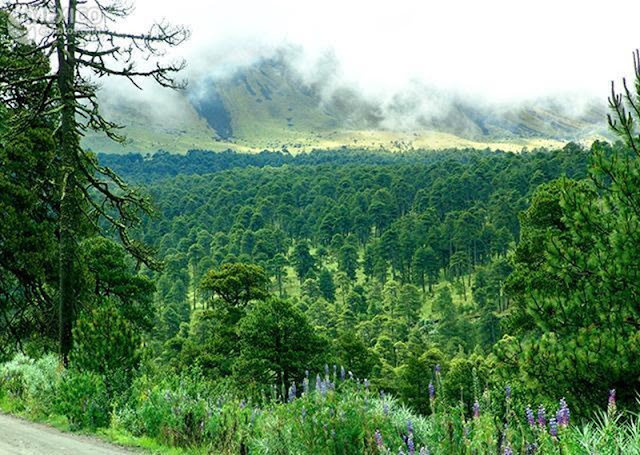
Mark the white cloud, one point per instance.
(498, 50)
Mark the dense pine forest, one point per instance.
(343, 301)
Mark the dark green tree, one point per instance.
(277, 345)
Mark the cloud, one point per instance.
(496, 52)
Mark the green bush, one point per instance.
(32, 383)
(83, 399)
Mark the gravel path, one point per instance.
(19, 437)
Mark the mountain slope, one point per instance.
(270, 106)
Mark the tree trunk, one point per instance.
(67, 149)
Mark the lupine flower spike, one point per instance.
(379, 441)
(508, 451)
(410, 444)
(507, 392)
(530, 417)
(563, 414)
(553, 427)
(612, 401)
(542, 419)
(476, 409)
(432, 391)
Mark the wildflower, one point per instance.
(507, 392)
(563, 414)
(409, 426)
(378, 437)
(342, 373)
(508, 451)
(366, 384)
(410, 444)
(335, 372)
(382, 394)
(305, 386)
(612, 401)
(326, 370)
(385, 408)
(424, 451)
(530, 417)
(350, 375)
(553, 427)
(437, 368)
(542, 419)
(476, 409)
(292, 392)
(318, 382)
(432, 391)
(531, 448)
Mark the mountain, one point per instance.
(271, 106)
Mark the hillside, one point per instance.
(270, 106)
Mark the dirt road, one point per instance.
(18, 437)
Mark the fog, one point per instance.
(494, 52)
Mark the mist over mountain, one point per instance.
(277, 103)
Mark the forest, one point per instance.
(332, 302)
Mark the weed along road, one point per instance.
(19, 437)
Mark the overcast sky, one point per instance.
(499, 50)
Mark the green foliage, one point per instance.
(277, 345)
(107, 344)
(82, 398)
(33, 383)
(237, 284)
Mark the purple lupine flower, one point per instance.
(366, 384)
(508, 451)
(531, 448)
(323, 388)
(530, 417)
(385, 408)
(507, 392)
(379, 441)
(326, 370)
(318, 382)
(553, 427)
(292, 392)
(476, 409)
(409, 426)
(343, 373)
(411, 447)
(335, 372)
(305, 386)
(542, 419)
(432, 391)
(612, 401)
(563, 413)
